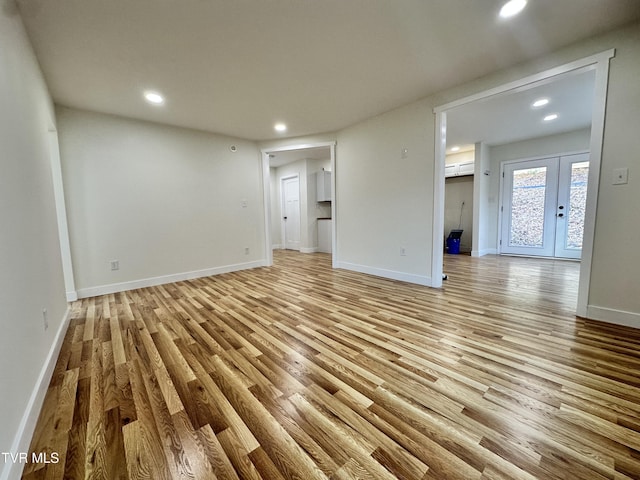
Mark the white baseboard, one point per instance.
(610, 315)
(301, 249)
(482, 253)
(391, 274)
(178, 277)
(23, 437)
(72, 296)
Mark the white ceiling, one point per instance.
(510, 117)
(237, 66)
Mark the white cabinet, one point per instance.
(324, 234)
(451, 170)
(323, 186)
(459, 169)
(466, 168)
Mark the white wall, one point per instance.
(539, 147)
(31, 276)
(616, 258)
(460, 157)
(484, 203)
(166, 202)
(385, 201)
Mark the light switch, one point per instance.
(620, 176)
(244, 203)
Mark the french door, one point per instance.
(544, 206)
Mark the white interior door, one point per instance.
(543, 206)
(291, 212)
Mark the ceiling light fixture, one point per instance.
(540, 103)
(512, 8)
(154, 98)
(455, 149)
(551, 117)
(280, 127)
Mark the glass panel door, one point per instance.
(529, 196)
(544, 205)
(572, 199)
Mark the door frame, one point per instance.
(600, 64)
(266, 196)
(61, 213)
(283, 223)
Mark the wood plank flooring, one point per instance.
(299, 371)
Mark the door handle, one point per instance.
(561, 215)
(285, 218)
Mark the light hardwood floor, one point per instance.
(299, 371)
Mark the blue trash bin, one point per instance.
(453, 241)
(453, 245)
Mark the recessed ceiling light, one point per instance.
(512, 7)
(455, 149)
(551, 117)
(280, 127)
(540, 103)
(154, 98)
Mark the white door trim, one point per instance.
(61, 212)
(266, 196)
(600, 63)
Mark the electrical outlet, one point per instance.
(115, 264)
(45, 318)
(246, 250)
(403, 252)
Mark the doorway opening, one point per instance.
(599, 65)
(295, 214)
